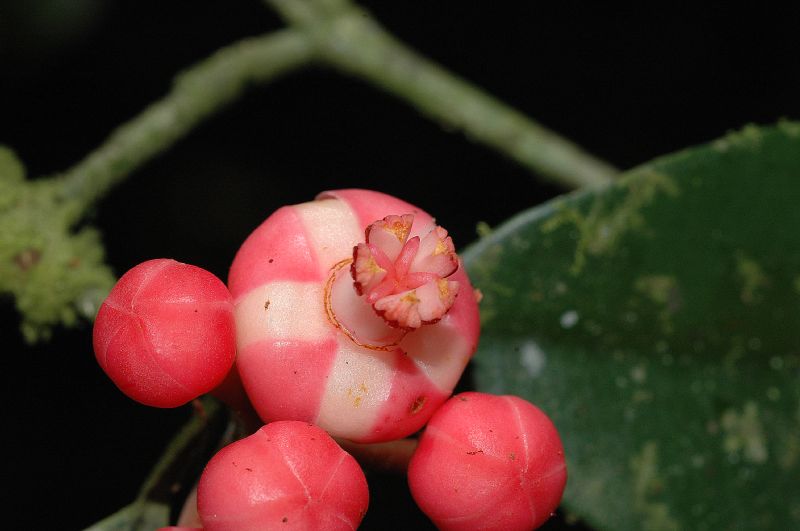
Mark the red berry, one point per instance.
(488, 462)
(165, 334)
(287, 475)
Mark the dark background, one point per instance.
(628, 84)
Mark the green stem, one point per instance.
(350, 40)
(197, 94)
(150, 508)
(207, 413)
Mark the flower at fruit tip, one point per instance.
(405, 279)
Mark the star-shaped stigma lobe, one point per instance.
(405, 279)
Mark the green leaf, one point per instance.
(657, 321)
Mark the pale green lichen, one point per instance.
(55, 275)
(602, 228)
(638, 373)
(12, 173)
(663, 291)
(789, 127)
(752, 279)
(647, 486)
(749, 137)
(482, 229)
(564, 214)
(11, 168)
(743, 434)
(791, 451)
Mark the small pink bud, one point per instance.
(165, 334)
(287, 475)
(488, 462)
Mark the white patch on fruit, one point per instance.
(357, 388)
(279, 320)
(440, 351)
(332, 230)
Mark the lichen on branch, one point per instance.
(55, 274)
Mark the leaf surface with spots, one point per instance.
(657, 321)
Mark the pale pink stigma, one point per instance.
(404, 279)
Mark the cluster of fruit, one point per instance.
(347, 317)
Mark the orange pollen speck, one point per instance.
(416, 407)
(373, 266)
(441, 248)
(444, 288)
(399, 229)
(411, 298)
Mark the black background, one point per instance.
(626, 83)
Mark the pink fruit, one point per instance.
(488, 462)
(165, 334)
(287, 475)
(352, 313)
